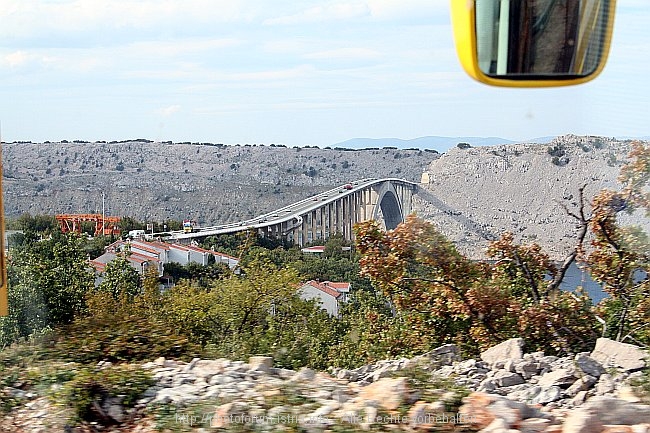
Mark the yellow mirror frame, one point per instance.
(463, 17)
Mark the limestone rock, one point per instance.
(504, 378)
(509, 349)
(390, 393)
(262, 364)
(582, 384)
(589, 365)
(445, 355)
(616, 411)
(612, 353)
(304, 374)
(561, 377)
(582, 421)
(548, 395)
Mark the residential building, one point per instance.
(144, 254)
(330, 295)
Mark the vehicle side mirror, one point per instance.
(533, 43)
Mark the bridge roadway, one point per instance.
(292, 214)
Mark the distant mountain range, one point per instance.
(442, 144)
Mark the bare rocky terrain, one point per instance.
(476, 194)
(208, 183)
(472, 194)
(505, 391)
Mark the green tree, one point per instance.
(48, 281)
(96, 246)
(196, 273)
(120, 279)
(34, 224)
(128, 223)
(334, 248)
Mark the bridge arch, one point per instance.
(389, 207)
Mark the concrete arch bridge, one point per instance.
(325, 214)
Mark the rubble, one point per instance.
(528, 392)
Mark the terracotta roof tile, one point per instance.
(323, 288)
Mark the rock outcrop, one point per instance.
(474, 195)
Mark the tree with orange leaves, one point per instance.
(619, 256)
(439, 296)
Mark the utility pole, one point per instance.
(103, 214)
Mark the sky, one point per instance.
(293, 72)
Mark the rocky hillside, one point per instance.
(206, 182)
(475, 194)
(471, 194)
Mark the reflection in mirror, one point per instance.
(558, 38)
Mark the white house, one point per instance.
(328, 294)
(143, 254)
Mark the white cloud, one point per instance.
(205, 79)
(269, 75)
(36, 18)
(399, 9)
(181, 58)
(322, 13)
(22, 59)
(168, 111)
(345, 54)
(16, 59)
(179, 47)
(384, 10)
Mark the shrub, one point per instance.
(560, 161)
(556, 150)
(641, 386)
(119, 331)
(90, 389)
(26, 367)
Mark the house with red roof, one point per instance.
(330, 295)
(144, 254)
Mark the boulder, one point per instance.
(390, 393)
(482, 409)
(261, 364)
(579, 398)
(547, 395)
(509, 349)
(612, 353)
(582, 384)
(444, 355)
(504, 378)
(304, 374)
(527, 368)
(589, 365)
(582, 421)
(605, 385)
(616, 411)
(561, 377)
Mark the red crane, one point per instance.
(103, 225)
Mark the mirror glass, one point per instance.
(555, 38)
